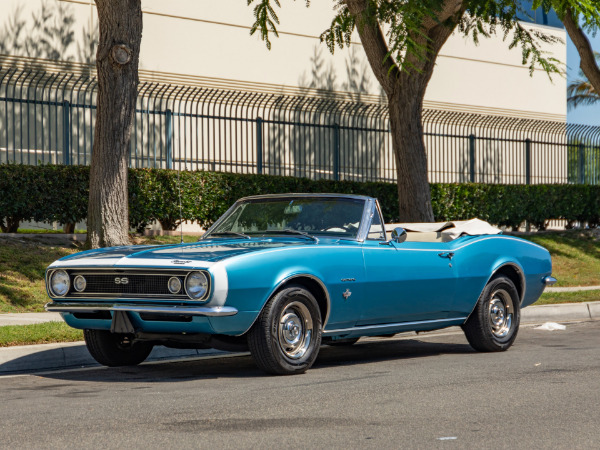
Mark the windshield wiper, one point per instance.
(230, 233)
(290, 231)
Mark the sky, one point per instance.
(588, 115)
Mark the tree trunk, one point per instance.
(588, 64)
(117, 62)
(414, 197)
(405, 91)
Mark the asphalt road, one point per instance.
(423, 392)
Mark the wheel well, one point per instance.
(316, 289)
(515, 275)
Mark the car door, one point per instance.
(408, 282)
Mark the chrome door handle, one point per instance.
(448, 255)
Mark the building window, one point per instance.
(526, 14)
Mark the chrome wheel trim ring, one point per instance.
(294, 330)
(501, 313)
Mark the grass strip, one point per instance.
(551, 298)
(39, 333)
(575, 256)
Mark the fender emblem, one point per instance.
(347, 294)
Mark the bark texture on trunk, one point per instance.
(120, 23)
(414, 196)
(588, 63)
(405, 92)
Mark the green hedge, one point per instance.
(60, 193)
(42, 194)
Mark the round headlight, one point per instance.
(79, 283)
(174, 285)
(196, 285)
(60, 283)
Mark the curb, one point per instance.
(36, 358)
(572, 289)
(563, 312)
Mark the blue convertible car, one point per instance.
(282, 274)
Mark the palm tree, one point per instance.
(581, 92)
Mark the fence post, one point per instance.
(472, 157)
(259, 146)
(66, 133)
(527, 161)
(336, 151)
(169, 138)
(581, 161)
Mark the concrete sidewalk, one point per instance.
(572, 289)
(35, 358)
(29, 318)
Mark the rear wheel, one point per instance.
(286, 337)
(114, 349)
(493, 325)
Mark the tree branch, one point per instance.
(435, 34)
(584, 48)
(374, 43)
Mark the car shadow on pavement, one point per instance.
(242, 366)
(385, 350)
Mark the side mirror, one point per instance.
(399, 235)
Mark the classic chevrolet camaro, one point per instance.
(282, 274)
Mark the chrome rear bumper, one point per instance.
(217, 311)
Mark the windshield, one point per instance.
(297, 216)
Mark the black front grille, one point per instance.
(127, 284)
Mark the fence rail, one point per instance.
(48, 117)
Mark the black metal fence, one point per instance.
(48, 117)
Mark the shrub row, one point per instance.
(52, 193)
(42, 194)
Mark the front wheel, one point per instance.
(494, 323)
(286, 337)
(114, 349)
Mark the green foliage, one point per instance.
(407, 25)
(586, 12)
(581, 92)
(60, 193)
(43, 194)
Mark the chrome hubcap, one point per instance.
(295, 330)
(501, 310)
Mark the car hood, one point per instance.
(190, 255)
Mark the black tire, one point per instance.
(286, 337)
(341, 342)
(494, 323)
(113, 350)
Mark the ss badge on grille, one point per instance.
(123, 280)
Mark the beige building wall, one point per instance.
(211, 39)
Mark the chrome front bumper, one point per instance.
(217, 311)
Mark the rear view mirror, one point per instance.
(399, 235)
